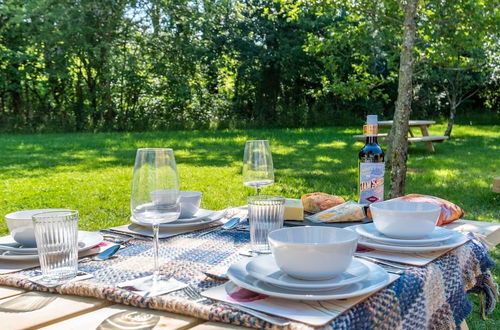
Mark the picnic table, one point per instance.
(21, 309)
(424, 129)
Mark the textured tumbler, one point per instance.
(265, 214)
(56, 236)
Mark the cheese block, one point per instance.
(294, 209)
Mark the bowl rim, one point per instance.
(190, 193)
(35, 211)
(355, 237)
(433, 209)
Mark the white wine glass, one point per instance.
(155, 197)
(258, 164)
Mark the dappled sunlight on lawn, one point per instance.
(442, 174)
(92, 172)
(327, 159)
(334, 144)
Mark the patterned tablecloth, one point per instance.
(429, 297)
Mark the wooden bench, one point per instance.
(424, 129)
(382, 137)
(430, 138)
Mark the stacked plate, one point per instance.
(439, 239)
(11, 250)
(261, 274)
(201, 217)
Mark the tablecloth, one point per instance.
(433, 297)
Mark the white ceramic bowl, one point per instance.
(20, 225)
(406, 220)
(313, 252)
(190, 203)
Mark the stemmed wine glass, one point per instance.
(155, 195)
(258, 164)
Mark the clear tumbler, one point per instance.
(56, 236)
(265, 214)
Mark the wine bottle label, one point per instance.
(371, 182)
(370, 130)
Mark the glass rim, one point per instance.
(45, 215)
(262, 199)
(257, 141)
(155, 149)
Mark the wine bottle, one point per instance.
(371, 165)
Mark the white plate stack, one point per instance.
(12, 250)
(439, 239)
(261, 274)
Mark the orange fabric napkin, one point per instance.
(449, 211)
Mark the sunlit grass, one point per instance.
(92, 172)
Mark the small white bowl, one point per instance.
(164, 196)
(20, 225)
(406, 220)
(313, 252)
(190, 203)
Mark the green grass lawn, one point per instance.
(92, 172)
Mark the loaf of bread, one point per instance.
(318, 201)
(347, 212)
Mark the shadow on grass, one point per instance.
(313, 159)
(33, 155)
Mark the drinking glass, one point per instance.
(265, 214)
(56, 235)
(155, 195)
(257, 164)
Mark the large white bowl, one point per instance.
(313, 253)
(406, 220)
(20, 225)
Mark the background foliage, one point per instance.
(92, 65)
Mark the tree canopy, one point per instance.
(91, 65)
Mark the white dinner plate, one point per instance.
(7, 243)
(455, 240)
(200, 218)
(86, 241)
(264, 268)
(438, 235)
(377, 279)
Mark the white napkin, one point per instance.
(135, 229)
(316, 313)
(142, 286)
(80, 276)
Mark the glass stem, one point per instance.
(258, 190)
(156, 244)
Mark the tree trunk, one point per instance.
(155, 17)
(398, 149)
(453, 111)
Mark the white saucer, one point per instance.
(200, 218)
(370, 231)
(265, 269)
(86, 241)
(377, 279)
(455, 240)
